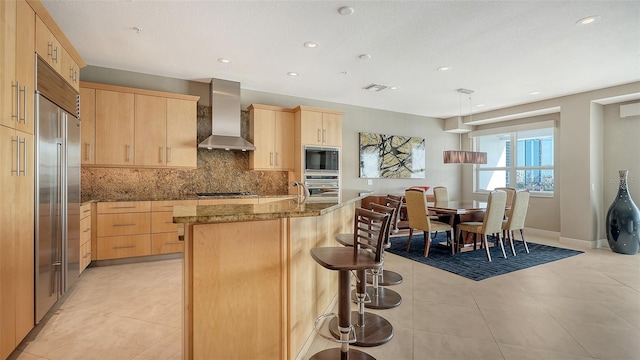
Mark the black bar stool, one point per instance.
(367, 254)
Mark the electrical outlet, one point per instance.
(369, 182)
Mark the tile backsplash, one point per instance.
(217, 171)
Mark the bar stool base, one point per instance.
(390, 278)
(376, 331)
(335, 353)
(384, 299)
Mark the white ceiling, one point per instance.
(503, 50)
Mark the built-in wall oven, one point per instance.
(322, 173)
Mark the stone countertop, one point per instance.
(204, 214)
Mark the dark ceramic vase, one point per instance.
(623, 221)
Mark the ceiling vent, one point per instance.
(375, 87)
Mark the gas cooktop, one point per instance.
(223, 194)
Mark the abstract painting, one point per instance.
(391, 156)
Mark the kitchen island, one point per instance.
(251, 289)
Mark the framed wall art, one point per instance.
(391, 156)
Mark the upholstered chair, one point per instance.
(417, 211)
(491, 224)
(517, 218)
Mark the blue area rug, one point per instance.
(474, 264)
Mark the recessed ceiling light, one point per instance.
(393, 88)
(588, 20)
(292, 73)
(535, 93)
(346, 10)
(364, 57)
(444, 68)
(480, 105)
(310, 44)
(224, 60)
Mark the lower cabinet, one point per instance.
(138, 228)
(85, 235)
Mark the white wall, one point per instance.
(358, 119)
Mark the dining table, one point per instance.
(456, 212)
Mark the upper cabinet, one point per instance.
(319, 126)
(47, 46)
(17, 71)
(136, 127)
(271, 130)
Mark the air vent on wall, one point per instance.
(375, 87)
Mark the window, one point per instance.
(527, 165)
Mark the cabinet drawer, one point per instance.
(85, 255)
(85, 211)
(123, 207)
(123, 246)
(166, 243)
(124, 224)
(162, 222)
(85, 230)
(169, 204)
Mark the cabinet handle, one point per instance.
(88, 151)
(85, 230)
(24, 158)
(318, 135)
(324, 135)
(57, 55)
(277, 164)
(17, 115)
(17, 141)
(50, 50)
(270, 157)
(123, 247)
(124, 225)
(173, 242)
(123, 207)
(161, 154)
(26, 97)
(128, 153)
(170, 154)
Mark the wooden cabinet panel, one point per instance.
(88, 125)
(311, 133)
(7, 63)
(85, 255)
(25, 71)
(47, 46)
(320, 127)
(115, 207)
(85, 210)
(166, 243)
(167, 205)
(124, 224)
(182, 128)
(85, 230)
(332, 129)
(70, 70)
(163, 222)
(116, 247)
(114, 128)
(150, 130)
(271, 130)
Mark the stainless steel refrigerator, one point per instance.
(57, 198)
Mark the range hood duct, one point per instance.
(225, 112)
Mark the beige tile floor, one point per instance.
(583, 307)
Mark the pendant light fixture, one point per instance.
(459, 156)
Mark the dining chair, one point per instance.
(492, 222)
(517, 218)
(510, 196)
(417, 212)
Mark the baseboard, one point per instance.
(136, 259)
(543, 233)
(578, 243)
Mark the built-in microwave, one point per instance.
(321, 159)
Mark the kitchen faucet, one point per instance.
(301, 190)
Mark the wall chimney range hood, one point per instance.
(225, 112)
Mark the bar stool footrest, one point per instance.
(335, 353)
(316, 327)
(390, 278)
(375, 331)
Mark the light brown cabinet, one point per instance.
(85, 235)
(319, 126)
(271, 130)
(114, 128)
(51, 50)
(165, 234)
(88, 126)
(17, 72)
(137, 127)
(70, 70)
(16, 238)
(138, 228)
